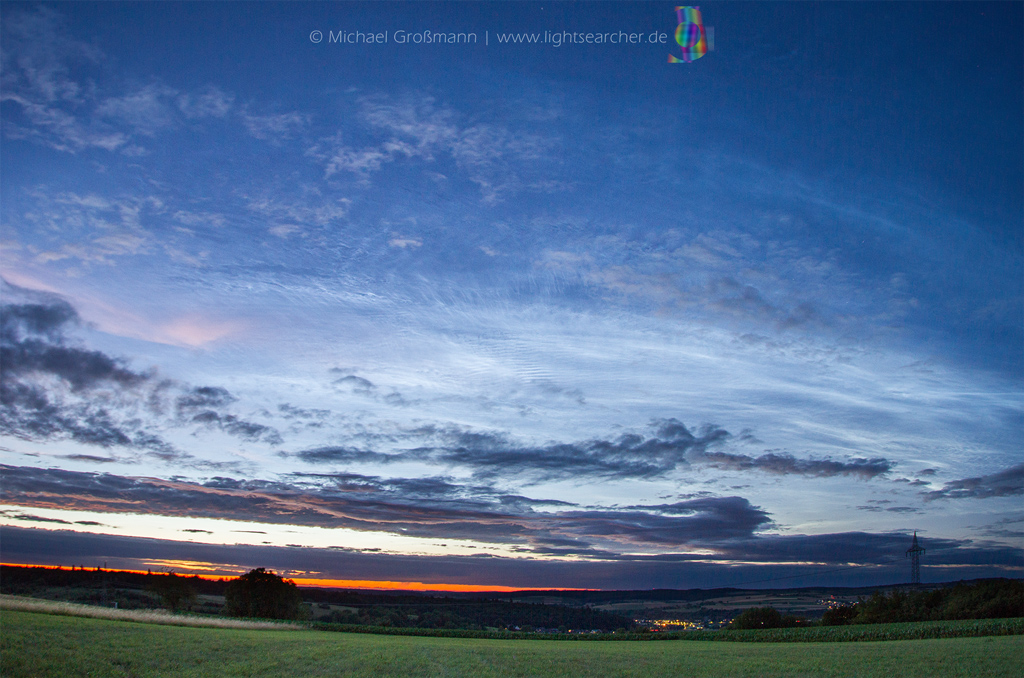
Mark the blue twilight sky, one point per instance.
(502, 312)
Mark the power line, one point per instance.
(914, 552)
(816, 574)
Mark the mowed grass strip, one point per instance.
(149, 616)
(33, 644)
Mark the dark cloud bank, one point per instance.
(958, 561)
(423, 507)
(728, 531)
(1006, 483)
(671, 446)
(52, 389)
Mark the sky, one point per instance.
(481, 310)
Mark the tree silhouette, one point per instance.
(758, 618)
(176, 593)
(259, 593)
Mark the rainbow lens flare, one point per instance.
(690, 35)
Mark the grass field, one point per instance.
(42, 645)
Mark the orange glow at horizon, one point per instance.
(418, 586)
(367, 584)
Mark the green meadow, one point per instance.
(34, 644)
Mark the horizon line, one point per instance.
(387, 585)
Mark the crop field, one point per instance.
(788, 602)
(814, 634)
(42, 645)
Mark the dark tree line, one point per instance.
(481, 614)
(97, 586)
(23, 580)
(260, 593)
(990, 599)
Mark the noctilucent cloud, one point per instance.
(461, 307)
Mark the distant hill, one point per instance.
(572, 609)
(714, 604)
(133, 590)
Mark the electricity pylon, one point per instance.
(914, 553)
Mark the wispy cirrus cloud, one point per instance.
(50, 80)
(299, 216)
(208, 102)
(736, 278)
(417, 127)
(146, 111)
(274, 126)
(91, 229)
(52, 106)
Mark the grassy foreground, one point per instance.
(33, 644)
